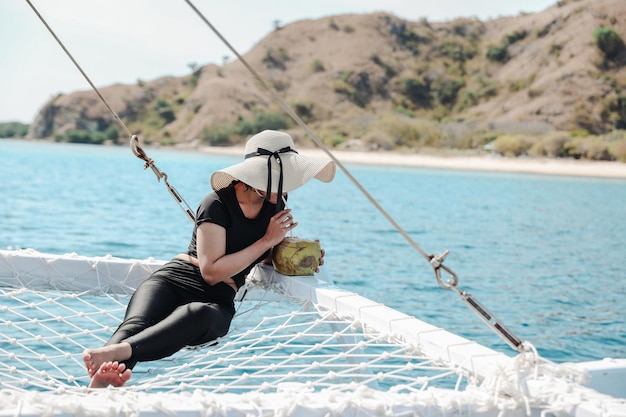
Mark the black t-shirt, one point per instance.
(222, 208)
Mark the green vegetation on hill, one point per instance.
(222, 134)
(111, 135)
(13, 130)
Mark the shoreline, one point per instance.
(484, 163)
(490, 163)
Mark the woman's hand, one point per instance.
(280, 223)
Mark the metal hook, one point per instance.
(437, 264)
(149, 162)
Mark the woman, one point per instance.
(189, 301)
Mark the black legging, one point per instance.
(164, 315)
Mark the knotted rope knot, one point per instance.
(270, 155)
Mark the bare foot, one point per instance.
(93, 358)
(110, 373)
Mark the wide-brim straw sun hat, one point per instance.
(277, 150)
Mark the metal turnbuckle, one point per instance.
(490, 320)
(473, 304)
(149, 163)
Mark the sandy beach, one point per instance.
(543, 166)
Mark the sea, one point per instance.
(544, 254)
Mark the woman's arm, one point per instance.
(216, 266)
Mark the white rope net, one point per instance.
(281, 350)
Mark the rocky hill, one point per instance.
(388, 82)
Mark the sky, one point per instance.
(123, 41)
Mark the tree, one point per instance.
(608, 41)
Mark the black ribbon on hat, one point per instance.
(275, 155)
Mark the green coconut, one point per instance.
(296, 257)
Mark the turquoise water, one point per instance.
(544, 254)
